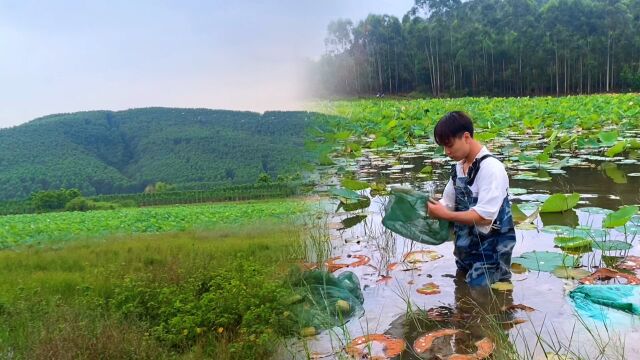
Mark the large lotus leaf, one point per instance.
(560, 202)
(616, 149)
(608, 138)
(620, 217)
(611, 245)
(544, 260)
(352, 221)
(571, 242)
(346, 196)
(354, 184)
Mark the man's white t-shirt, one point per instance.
(490, 187)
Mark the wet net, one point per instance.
(324, 301)
(597, 301)
(406, 215)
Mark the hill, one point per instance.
(107, 152)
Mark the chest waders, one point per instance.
(485, 258)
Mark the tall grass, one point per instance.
(116, 298)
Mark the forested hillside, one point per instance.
(487, 47)
(105, 152)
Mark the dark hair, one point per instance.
(453, 125)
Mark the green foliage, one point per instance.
(29, 229)
(243, 301)
(104, 152)
(354, 184)
(83, 204)
(217, 294)
(483, 47)
(559, 203)
(264, 178)
(53, 200)
(620, 217)
(544, 260)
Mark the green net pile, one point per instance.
(324, 301)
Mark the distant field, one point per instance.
(53, 227)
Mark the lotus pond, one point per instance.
(574, 176)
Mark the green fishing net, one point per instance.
(597, 301)
(406, 215)
(324, 301)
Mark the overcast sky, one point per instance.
(67, 56)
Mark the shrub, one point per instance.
(53, 200)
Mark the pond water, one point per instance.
(548, 323)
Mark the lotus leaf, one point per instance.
(616, 149)
(570, 272)
(557, 229)
(517, 191)
(352, 221)
(615, 174)
(571, 242)
(620, 217)
(354, 184)
(611, 245)
(544, 260)
(560, 202)
(502, 286)
(363, 203)
(346, 196)
(608, 138)
(595, 210)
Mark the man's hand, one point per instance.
(436, 210)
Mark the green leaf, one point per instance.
(615, 174)
(346, 195)
(517, 214)
(380, 142)
(616, 149)
(571, 242)
(608, 137)
(633, 144)
(560, 202)
(502, 286)
(544, 260)
(611, 245)
(427, 170)
(363, 203)
(354, 184)
(352, 221)
(570, 272)
(620, 217)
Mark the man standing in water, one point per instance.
(476, 201)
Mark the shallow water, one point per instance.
(394, 307)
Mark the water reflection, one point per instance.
(477, 313)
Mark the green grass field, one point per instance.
(56, 227)
(210, 292)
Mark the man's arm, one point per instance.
(437, 210)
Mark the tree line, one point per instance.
(486, 47)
